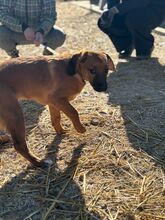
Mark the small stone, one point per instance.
(94, 121)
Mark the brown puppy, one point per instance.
(49, 81)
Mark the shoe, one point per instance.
(125, 53)
(145, 56)
(14, 53)
(47, 52)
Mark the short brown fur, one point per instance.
(49, 81)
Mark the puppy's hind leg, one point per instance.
(16, 128)
(12, 117)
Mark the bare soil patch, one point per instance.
(113, 171)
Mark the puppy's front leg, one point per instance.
(70, 112)
(55, 119)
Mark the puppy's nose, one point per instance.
(101, 87)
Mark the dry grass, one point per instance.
(115, 171)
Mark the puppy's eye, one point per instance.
(92, 71)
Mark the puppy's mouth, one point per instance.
(99, 87)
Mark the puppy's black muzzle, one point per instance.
(99, 84)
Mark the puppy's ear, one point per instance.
(110, 63)
(71, 69)
(80, 57)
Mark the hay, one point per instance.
(115, 171)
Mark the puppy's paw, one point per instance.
(81, 129)
(4, 139)
(61, 131)
(43, 163)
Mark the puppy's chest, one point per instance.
(76, 90)
(72, 97)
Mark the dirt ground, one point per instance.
(115, 171)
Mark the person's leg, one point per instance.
(55, 38)
(10, 39)
(119, 35)
(140, 23)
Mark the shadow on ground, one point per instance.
(138, 89)
(46, 194)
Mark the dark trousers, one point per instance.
(134, 29)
